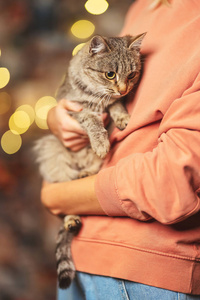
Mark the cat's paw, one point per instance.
(101, 147)
(72, 223)
(122, 121)
(84, 173)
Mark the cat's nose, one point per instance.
(122, 89)
(122, 92)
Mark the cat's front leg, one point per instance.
(119, 115)
(99, 142)
(92, 123)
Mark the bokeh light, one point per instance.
(77, 48)
(29, 110)
(83, 29)
(19, 122)
(11, 142)
(5, 102)
(41, 123)
(96, 7)
(42, 107)
(4, 77)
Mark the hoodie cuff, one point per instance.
(107, 195)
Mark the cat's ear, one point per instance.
(135, 41)
(98, 45)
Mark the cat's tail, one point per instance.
(65, 265)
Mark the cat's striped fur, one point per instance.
(99, 75)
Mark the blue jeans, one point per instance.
(92, 287)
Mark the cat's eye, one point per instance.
(131, 75)
(110, 75)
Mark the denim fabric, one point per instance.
(92, 287)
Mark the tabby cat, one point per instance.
(99, 75)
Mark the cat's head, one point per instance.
(113, 64)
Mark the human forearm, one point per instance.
(78, 196)
(74, 197)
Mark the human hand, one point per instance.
(65, 127)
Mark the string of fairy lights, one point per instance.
(25, 115)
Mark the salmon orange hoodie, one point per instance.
(149, 186)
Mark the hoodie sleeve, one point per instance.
(163, 184)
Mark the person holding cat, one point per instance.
(140, 213)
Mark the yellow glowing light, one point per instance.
(11, 142)
(82, 29)
(4, 77)
(77, 48)
(96, 7)
(19, 122)
(29, 110)
(5, 102)
(41, 123)
(43, 106)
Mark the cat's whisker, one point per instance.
(98, 95)
(107, 99)
(100, 104)
(94, 98)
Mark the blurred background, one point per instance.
(37, 38)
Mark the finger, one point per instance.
(71, 144)
(70, 105)
(71, 125)
(105, 119)
(64, 120)
(78, 147)
(70, 135)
